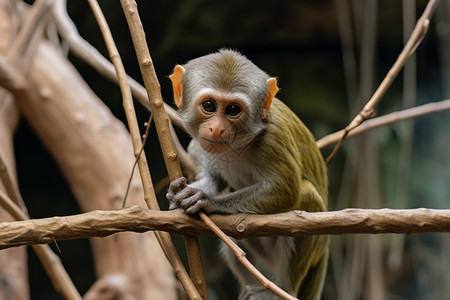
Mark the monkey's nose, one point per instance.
(216, 132)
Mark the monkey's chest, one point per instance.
(237, 173)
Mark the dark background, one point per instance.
(299, 43)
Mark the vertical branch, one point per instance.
(149, 194)
(162, 127)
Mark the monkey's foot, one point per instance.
(257, 292)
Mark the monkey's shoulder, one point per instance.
(285, 128)
(292, 145)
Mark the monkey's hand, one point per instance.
(191, 199)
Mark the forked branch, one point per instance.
(414, 41)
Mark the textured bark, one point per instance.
(294, 223)
(13, 262)
(93, 151)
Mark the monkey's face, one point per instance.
(219, 117)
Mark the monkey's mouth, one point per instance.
(215, 146)
(218, 142)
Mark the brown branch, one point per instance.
(149, 194)
(387, 119)
(102, 223)
(163, 130)
(29, 35)
(416, 38)
(52, 264)
(10, 77)
(242, 258)
(11, 186)
(87, 53)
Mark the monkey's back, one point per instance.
(289, 142)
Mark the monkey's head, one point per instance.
(223, 99)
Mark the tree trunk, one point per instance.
(13, 262)
(93, 150)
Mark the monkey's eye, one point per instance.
(209, 106)
(233, 110)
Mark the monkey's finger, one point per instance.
(173, 205)
(170, 195)
(184, 194)
(192, 198)
(200, 204)
(177, 184)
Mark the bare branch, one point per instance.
(52, 264)
(394, 117)
(10, 77)
(164, 136)
(149, 193)
(101, 223)
(86, 52)
(414, 41)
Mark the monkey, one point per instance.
(245, 138)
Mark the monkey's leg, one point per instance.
(274, 254)
(311, 287)
(241, 273)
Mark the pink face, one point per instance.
(220, 115)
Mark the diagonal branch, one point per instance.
(415, 112)
(87, 53)
(414, 41)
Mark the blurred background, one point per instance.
(329, 57)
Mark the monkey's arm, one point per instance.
(263, 197)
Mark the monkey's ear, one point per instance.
(177, 85)
(272, 90)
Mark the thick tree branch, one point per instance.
(102, 223)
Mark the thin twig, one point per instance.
(144, 142)
(149, 194)
(367, 112)
(394, 117)
(241, 256)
